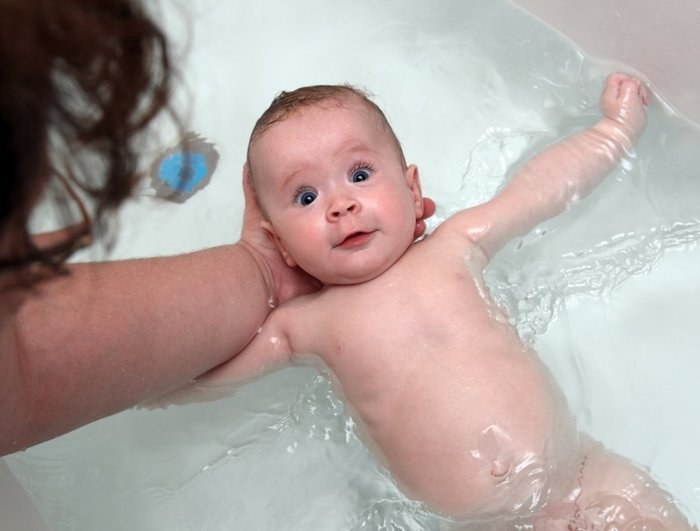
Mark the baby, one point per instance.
(465, 418)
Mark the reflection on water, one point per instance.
(472, 88)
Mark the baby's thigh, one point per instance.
(613, 493)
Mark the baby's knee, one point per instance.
(615, 492)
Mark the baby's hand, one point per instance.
(623, 101)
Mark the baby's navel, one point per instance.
(499, 469)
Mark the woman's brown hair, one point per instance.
(79, 80)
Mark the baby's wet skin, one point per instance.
(467, 420)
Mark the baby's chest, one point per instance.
(399, 322)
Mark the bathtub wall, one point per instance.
(658, 39)
(17, 512)
(647, 35)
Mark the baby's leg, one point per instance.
(613, 494)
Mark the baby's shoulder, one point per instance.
(299, 305)
(466, 232)
(298, 317)
(440, 255)
(457, 235)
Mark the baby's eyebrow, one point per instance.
(298, 171)
(355, 148)
(288, 178)
(350, 149)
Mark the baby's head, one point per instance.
(331, 178)
(287, 103)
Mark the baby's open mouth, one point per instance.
(356, 239)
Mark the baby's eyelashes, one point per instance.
(360, 175)
(361, 172)
(304, 196)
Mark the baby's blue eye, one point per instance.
(359, 175)
(305, 197)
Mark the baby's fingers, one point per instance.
(620, 86)
(623, 101)
(633, 89)
(611, 91)
(644, 93)
(614, 82)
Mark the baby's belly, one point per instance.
(486, 435)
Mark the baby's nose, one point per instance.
(343, 206)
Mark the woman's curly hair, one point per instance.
(79, 80)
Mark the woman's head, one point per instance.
(80, 80)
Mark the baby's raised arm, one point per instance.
(564, 172)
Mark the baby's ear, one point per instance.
(413, 181)
(267, 227)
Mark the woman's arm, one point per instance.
(108, 336)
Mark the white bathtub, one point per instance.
(649, 319)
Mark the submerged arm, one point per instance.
(564, 172)
(269, 349)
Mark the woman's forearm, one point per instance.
(110, 335)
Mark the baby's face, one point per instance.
(341, 204)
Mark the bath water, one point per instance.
(472, 89)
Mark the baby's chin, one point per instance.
(365, 270)
(353, 277)
(350, 280)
